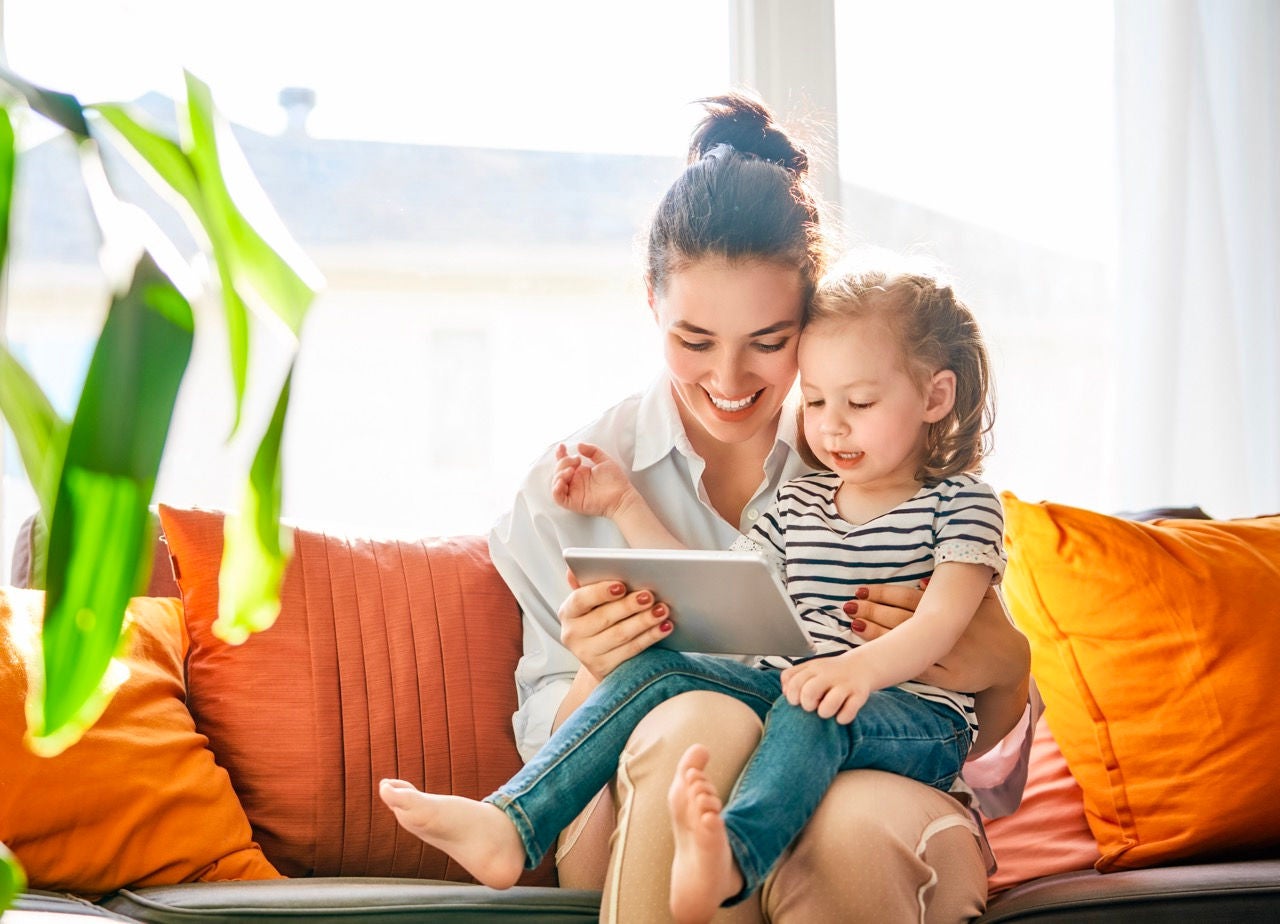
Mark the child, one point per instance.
(894, 378)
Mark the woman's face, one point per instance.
(730, 332)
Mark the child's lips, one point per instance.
(845, 459)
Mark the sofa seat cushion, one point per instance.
(336, 901)
(1240, 891)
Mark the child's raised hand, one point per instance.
(589, 482)
(828, 686)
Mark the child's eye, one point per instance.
(695, 346)
(770, 347)
(859, 406)
(816, 402)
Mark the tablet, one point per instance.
(721, 602)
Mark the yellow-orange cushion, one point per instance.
(138, 800)
(1155, 646)
(388, 659)
(1048, 833)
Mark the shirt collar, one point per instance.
(658, 426)
(659, 429)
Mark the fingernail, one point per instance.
(666, 626)
(660, 610)
(851, 607)
(857, 625)
(924, 582)
(862, 593)
(644, 598)
(616, 589)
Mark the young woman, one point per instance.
(735, 251)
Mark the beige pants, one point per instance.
(880, 848)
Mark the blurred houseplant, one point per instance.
(94, 474)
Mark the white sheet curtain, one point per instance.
(1197, 410)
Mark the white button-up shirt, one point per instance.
(645, 434)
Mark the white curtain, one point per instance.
(1197, 410)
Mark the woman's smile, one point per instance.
(733, 409)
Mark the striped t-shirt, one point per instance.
(825, 558)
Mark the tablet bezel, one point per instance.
(708, 592)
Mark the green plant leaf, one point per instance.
(100, 533)
(161, 154)
(6, 181)
(62, 108)
(258, 275)
(39, 432)
(12, 879)
(256, 547)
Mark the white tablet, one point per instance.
(721, 602)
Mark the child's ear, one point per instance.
(940, 395)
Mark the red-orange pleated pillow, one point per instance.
(138, 800)
(1155, 646)
(388, 659)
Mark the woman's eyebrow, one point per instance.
(762, 332)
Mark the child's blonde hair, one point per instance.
(935, 330)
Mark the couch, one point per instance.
(394, 657)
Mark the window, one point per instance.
(469, 178)
(981, 134)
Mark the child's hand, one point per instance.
(590, 483)
(828, 686)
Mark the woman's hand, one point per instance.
(602, 625)
(589, 482)
(992, 658)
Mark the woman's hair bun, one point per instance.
(748, 126)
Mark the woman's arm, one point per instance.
(839, 686)
(992, 658)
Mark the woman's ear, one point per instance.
(651, 297)
(940, 395)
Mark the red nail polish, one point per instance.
(617, 589)
(857, 625)
(850, 607)
(666, 626)
(862, 593)
(660, 610)
(644, 598)
(924, 582)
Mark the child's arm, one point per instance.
(838, 686)
(600, 488)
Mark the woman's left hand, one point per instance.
(991, 659)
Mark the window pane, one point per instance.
(469, 178)
(981, 134)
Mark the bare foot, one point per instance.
(703, 871)
(479, 835)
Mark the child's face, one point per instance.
(865, 417)
(729, 334)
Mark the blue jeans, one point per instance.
(781, 786)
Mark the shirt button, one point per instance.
(753, 515)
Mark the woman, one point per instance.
(734, 254)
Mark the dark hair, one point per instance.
(935, 330)
(744, 195)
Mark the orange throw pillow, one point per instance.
(138, 801)
(1049, 832)
(1154, 646)
(388, 659)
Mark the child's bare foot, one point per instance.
(703, 871)
(479, 835)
